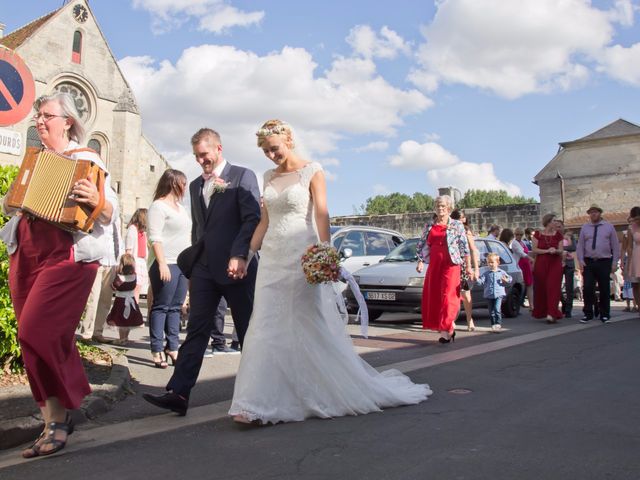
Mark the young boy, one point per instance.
(494, 281)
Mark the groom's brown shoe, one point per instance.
(170, 401)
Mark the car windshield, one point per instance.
(405, 252)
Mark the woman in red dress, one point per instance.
(50, 276)
(547, 271)
(444, 246)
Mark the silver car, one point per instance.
(393, 285)
(361, 246)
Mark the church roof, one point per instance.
(18, 37)
(619, 128)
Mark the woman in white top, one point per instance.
(507, 237)
(169, 226)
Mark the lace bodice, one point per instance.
(290, 208)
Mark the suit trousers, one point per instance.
(597, 271)
(98, 304)
(205, 294)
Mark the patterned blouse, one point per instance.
(456, 241)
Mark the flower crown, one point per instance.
(274, 130)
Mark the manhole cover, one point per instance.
(460, 391)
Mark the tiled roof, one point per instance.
(17, 38)
(619, 128)
(614, 218)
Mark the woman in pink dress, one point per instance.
(633, 253)
(547, 271)
(445, 248)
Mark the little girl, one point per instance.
(125, 312)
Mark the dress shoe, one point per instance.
(170, 401)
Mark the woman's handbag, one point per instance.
(189, 256)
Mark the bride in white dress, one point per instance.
(297, 359)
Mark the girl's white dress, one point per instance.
(297, 359)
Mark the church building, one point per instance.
(66, 51)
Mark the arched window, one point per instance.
(33, 140)
(77, 47)
(95, 145)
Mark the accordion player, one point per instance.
(43, 189)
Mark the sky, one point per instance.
(403, 96)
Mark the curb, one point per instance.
(19, 430)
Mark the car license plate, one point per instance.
(380, 296)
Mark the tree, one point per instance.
(398, 203)
(490, 198)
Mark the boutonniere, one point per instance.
(219, 186)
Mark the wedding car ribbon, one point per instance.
(363, 313)
(129, 302)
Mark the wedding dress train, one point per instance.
(297, 359)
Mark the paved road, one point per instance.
(560, 407)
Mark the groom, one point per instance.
(225, 210)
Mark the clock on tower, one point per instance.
(80, 13)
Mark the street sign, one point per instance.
(10, 141)
(17, 89)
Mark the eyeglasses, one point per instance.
(46, 116)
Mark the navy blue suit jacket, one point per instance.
(228, 224)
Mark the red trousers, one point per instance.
(49, 291)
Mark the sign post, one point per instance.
(17, 88)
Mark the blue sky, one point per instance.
(390, 97)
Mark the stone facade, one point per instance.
(411, 224)
(102, 95)
(601, 168)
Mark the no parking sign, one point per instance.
(17, 89)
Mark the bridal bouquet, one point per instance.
(321, 264)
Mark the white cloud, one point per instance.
(431, 137)
(373, 147)
(514, 48)
(622, 63)
(214, 16)
(380, 189)
(413, 155)
(444, 168)
(347, 100)
(466, 176)
(367, 43)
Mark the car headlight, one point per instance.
(416, 281)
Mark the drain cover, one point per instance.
(460, 391)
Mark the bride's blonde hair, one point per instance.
(276, 127)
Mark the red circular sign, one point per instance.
(17, 88)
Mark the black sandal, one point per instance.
(31, 451)
(52, 427)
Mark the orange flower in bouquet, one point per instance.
(321, 264)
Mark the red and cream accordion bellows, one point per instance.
(43, 188)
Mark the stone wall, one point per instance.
(411, 224)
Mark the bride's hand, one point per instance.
(237, 268)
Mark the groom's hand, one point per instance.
(237, 268)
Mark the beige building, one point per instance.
(602, 168)
(66, 51)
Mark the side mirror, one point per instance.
(346, 253)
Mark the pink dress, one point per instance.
(634, 261)
(525, 265)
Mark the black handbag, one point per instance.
(189, 256)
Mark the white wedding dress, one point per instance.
(297, 359)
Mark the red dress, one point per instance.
(49, 291)
(125, 311)
(441, 291)
(547, 278)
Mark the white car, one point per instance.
(361, 246)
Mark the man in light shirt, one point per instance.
(598, 252)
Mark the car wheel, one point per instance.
(375, 314)
(511, 304)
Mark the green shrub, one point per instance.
(10, 359)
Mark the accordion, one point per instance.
(43, 189)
